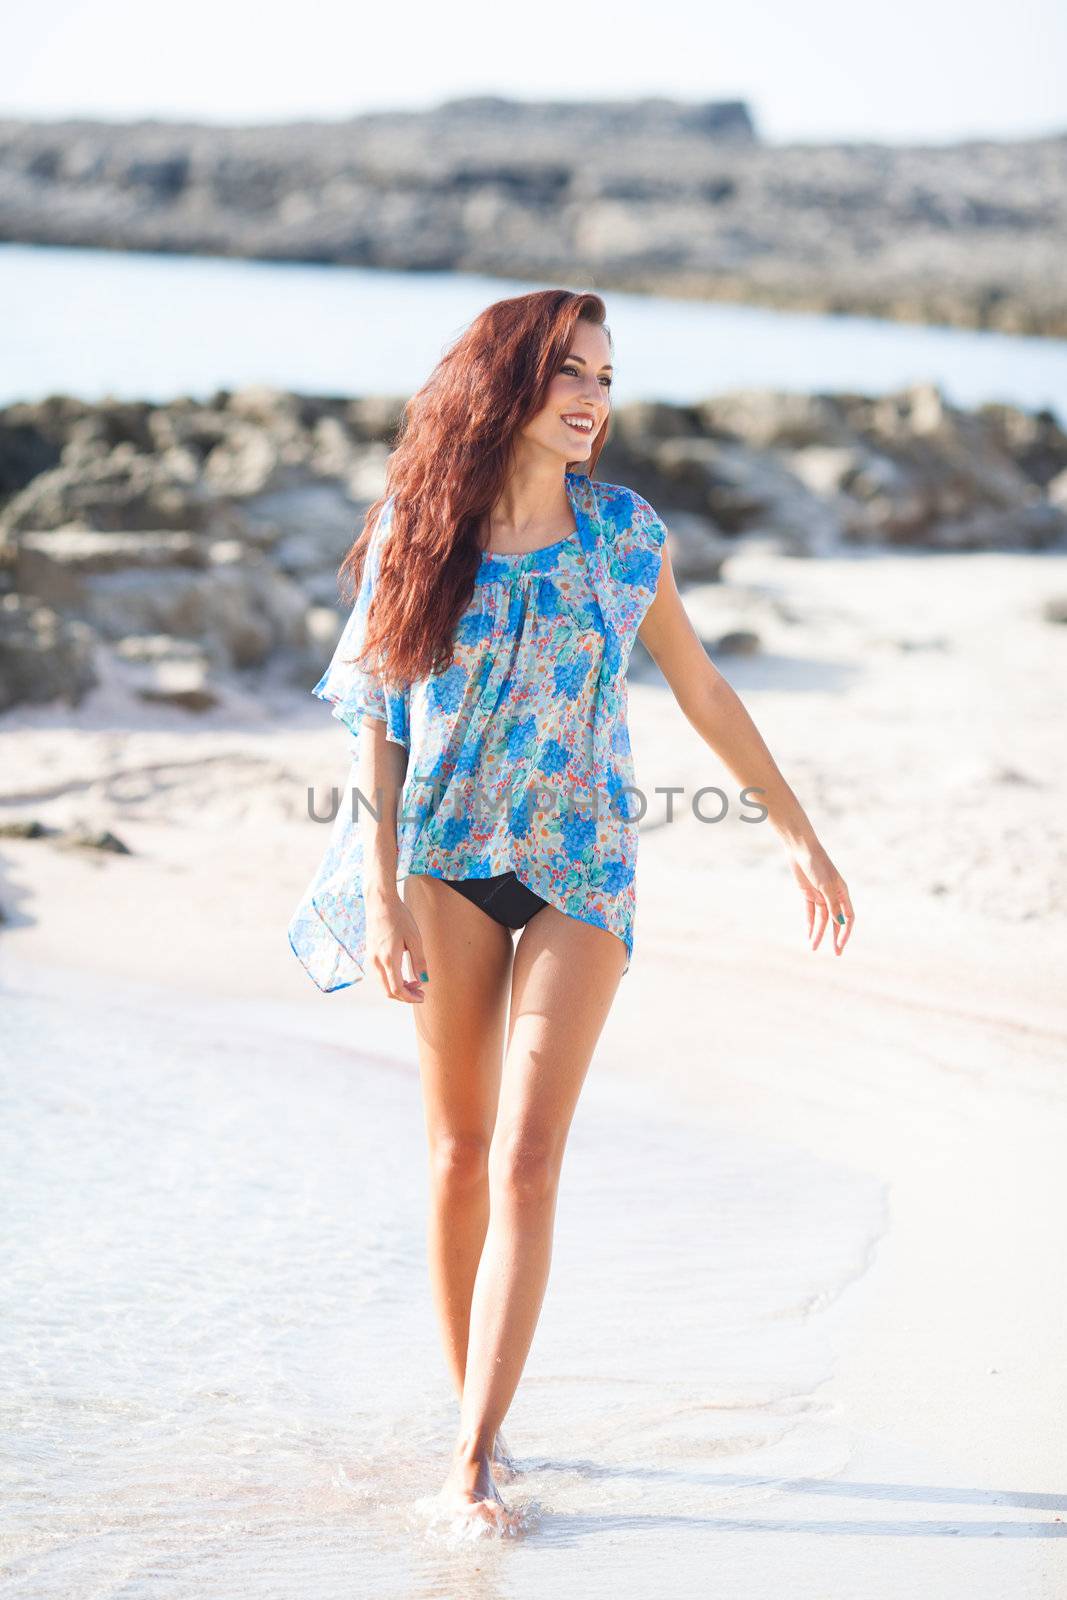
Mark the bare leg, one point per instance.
(564, 980)
(460, 1035)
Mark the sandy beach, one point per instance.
(915, 703)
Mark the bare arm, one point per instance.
(715, 710)
(391, 928)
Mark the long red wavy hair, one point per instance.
(449, 465)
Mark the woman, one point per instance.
(485, 695)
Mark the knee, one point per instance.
(524, 1168)
(459, 1161)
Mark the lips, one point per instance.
(585, 432)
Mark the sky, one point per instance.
(920, 71)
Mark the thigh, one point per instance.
(564, 978)
(460, 1025)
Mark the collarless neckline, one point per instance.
(542, 549)
(528, 555)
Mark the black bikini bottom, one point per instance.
(504, 898)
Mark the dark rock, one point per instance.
(1014, 777)
(1029, 527)
(25, 453)
(190, 698)
(1033, 439)
(770, 419)
(697, 549)
(375, 418)
(121, 491)
(936, 642)
(43, 656)
(27, 828)
(92, 839)
(740, 642)
(239, 605)
(55, 566)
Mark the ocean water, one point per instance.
(219, 1369)
(152, 326)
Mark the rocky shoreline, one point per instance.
(174, 547)
(650, 196)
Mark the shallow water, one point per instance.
(89, 324)
(219, 1369)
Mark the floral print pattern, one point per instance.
(519, 753)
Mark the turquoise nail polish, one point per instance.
(425, 976)
(840, 916)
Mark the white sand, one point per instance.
(930, 1056)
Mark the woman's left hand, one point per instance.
(826, 894)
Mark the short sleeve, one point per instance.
(636, 559)
(352, 691)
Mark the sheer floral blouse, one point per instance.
(519, 753)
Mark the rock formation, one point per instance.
(653, 195)
(171, 544)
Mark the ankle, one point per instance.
(473, 1445)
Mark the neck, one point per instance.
(534, 501)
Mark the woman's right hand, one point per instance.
(391, 929)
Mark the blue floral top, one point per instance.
(519, 753)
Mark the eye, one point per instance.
(570, 367)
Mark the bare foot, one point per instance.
(470, 1494)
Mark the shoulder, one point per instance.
(635, 533)
(629, 513)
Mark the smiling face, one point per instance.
(579, 397)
